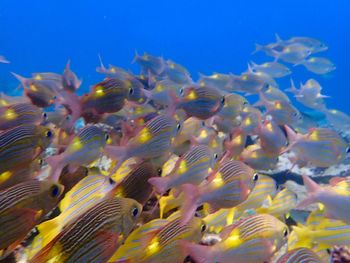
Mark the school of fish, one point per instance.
(158, 167)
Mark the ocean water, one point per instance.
(204, 36)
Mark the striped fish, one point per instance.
(281, 204)
(192, 167)
(84, 148)
(325, 235)
(300, 255)
(131, 246)
(164, 246)
(228, 187)
(95, 235)
(201, 102)
(21, 208)
(106, 96)
(33, 194)
(84, 195)
(153, 140)
(21, 145)
(135, 185)
(233, 106)
(19, 114)
(320, 146)
(41, 92)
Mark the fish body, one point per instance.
(22, 144)
(273, 69)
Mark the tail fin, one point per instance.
(304, 236)
(313, 189)
(201, 254)
(292, 88)
(190, 204)
(258, 48)
(57, 165)
(160, 184)
(292, 136)
(278, 38)
(101, 68)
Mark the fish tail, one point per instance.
(116, 152)
(312, 190)
(56, 164)
(191, 193)
(304, 235)
(258, 48)
(160, 184)
(201, 254)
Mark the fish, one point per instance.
(282, 112)
(169, 202)
(22, 144)
(315, 45)
(112, 71)
(200, 102)
(104, 226)
(129, 250)
(336, 205)
(234, 104)
(228, 187)
(235, 144)
(216, 80)
(41, 92)
(309, 94)
(280, 205)
(83, 196)
(255, 157)
(253, 239)
(86, 146)
(273, 69)
(176, 72)
(318, 65)
(337, 119)
(299, 255)
(271, 93)
(149, 63)
(22, 206)
(321, 147)
(272, 138)
(250, 119)
(164, 90)
(19, 114)
(152, 140)
(251, 82)
(192, 167)
(135, 185)
(165, 244)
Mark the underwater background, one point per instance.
(204, 36)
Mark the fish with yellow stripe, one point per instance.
(86, 146)
(229, 186)
(95, 235)
(152, 140)
(21, 207)
(321, 147)
(200, 102)
(164, 244)
(192, 167)
(84, 195)
(252, 239)
(22, 144)
(18, 114)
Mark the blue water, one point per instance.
(204, 36)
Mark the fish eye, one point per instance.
(347, 150)
(285, 232)
(111, 181)
(287, 143)
(45, 116)
(55, 191)
(245, 103)
(223, 100)
(216, 156)
(49, 134)
(106, 136)
(203, 123)
(203, 227)
(131, 91)
(255, 177)
(68, 118)
(182, 91)
(135, 211)
(178, 126)
(159, 171)
(86, 171)
(54, 97)
(40, 162)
